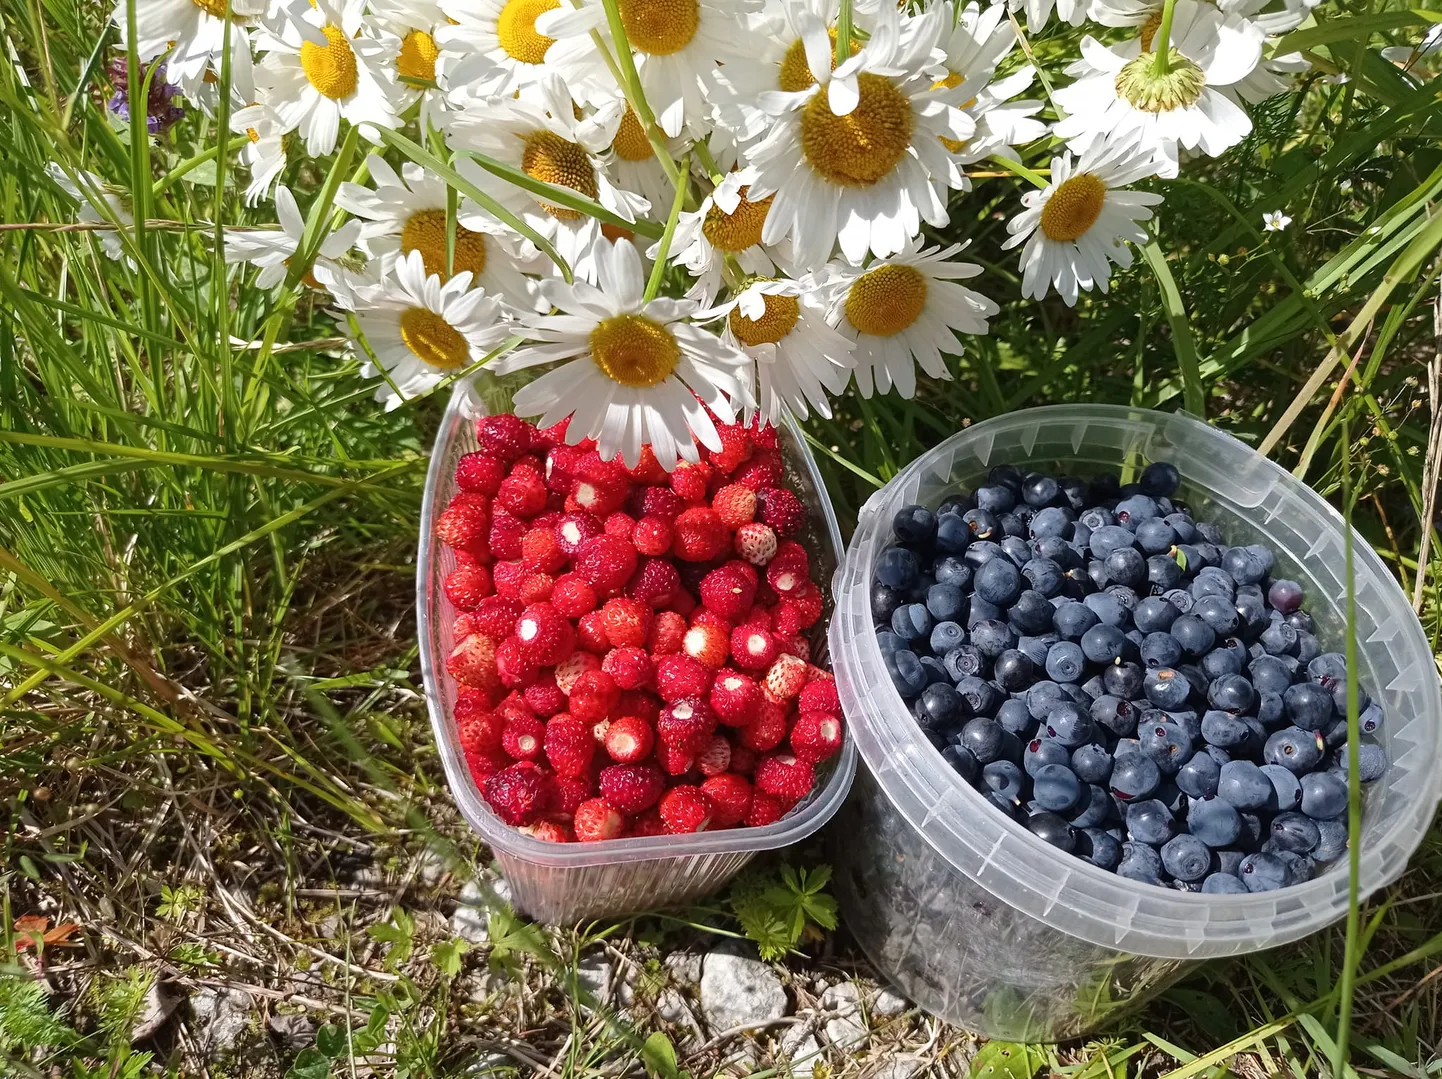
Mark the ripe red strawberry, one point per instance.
(599, 494)
(763, 434)
(535, 588)
(463, 626)
(466, 586)
(545, 634)
(680, 676)
(728, 591)
(819, 694)
(647, 823)
(788, 573)
(606, 563)
(626, 620)
(735, 697)
(543, 695)
(758, 616)
(591, 633)
(699, 535)
(655, 582)
(473, 663)
(661, 502)
(570, 669)
(674, 760)
(632, 788)
(652, 535)
(735, 504)
(478, 728)
(514, 667)
(800, 611)
(767, 728)
(572, 596)
(763, 470)
(505, 435)
(630, 666)
(765, 809)
(619, 524)
(564, 794)
(504, 537)
(638, 702)
(464, 527)
(708, 643)
(815, 736)
(798, 646)
(523, 492)
(597, 820)
(648, 469)
(668, 631)
(509, 577)
(486, 762)
(523, 737)
(690, 481)
(629, 739)
(560, 467)
(569, 745)
(686, 724)
(743, 759)
(715, 756)
(685, 809)
(550, 831)
(730, 796)
(540, 552)
(546, 437)
(756, 543)
(783, 776)
(593, 695)
(735, 448)
(781, 509)
(574, 529)
(516, 793)
(495, 617)
(480, 473)
(785, 677)
(754, 647)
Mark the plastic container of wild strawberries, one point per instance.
(568, 882)
(984, 924)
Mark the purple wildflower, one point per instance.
(161, 111)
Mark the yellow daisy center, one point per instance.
(418, 56)
(858, 149)
(953, 79)
(775, 322)
(559, 161)
(217, 8)
(1073, 207)
(516, 29)
(886, 300)
(1140, 86)
(630, 142)
(252, 134)
(634, 350)
(660, 27)
(1149, 30)
(331, 68)
(425, 231)
(736, 231)
(433, 340)
(795, 74)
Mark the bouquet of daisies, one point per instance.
(671, 212)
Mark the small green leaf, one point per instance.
(330, 1040)
(448, 955)
(310, 1064)
(1007, 1060)
(659, 1056)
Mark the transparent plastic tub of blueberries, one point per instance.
(567, 882)
(990, 926)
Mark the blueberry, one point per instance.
(1092, 763)
(962, 762)
(1285, 596)
(1104, 644)
(1332, 840)
(897, 568)
(1231, 693)
(1223, 884)
(935, 670)
(1295, 832)
(907, 673)
(1270, 709)
(1179, 598)
(1194, 635)
(1308, 647)
(1013, 670)
(1044, 575)
(1286, 790)
(945, 636)
(992, 637)
(1186, 857)
(1371, 762)
(1135, 509)
(996, 498)
(1166, 744)
(1295, 749)
(957, 503)
(982, 524)
(1056, 787)
(1159, 479)
(1065, 662)
(912, 622)
(1069, 725)
(1006, 475)
(963, 661)
(1308, 705)
(1035, 648)
(1149, 821)
(1126, 565)
(1073, 619)
(1199, 776)
(914, 525)
(938, 707)
(1224, 729)
(1014, 717)
(1243, 785)
(1248, 565)
(1229, 861)
(1123, 680)
(1108, 609)
(1155, 536)
(1262, 872)
(946, 602)
(1031, 613)
(953, 571)
(1003, 778)
(1301, 621)
(1328, 670)
(884, 601)
(1279, 639)
(1043, 751)
(1109, 538)
(1214, 821)
(1050, 828)
(1116, 714)
(888, 642)
(1094, 517)
(998, 582)
(1228, 657)
(1154, 615)
(1140, 862)
(1016, 549)
(1370, 721)
(1219, 612)
(952, 534)
(1269, 674)
(1300, 867)
(984, 737)
(1052, 521)
(1004, 806)
(1134, 776)
(1324, 795)
(1167, 688)
(1160, 650)
(1042, 697)
(1094, 808)
(979, 695)
(1252, 610)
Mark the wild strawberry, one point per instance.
(540, 552)
(544, 696)
(596, 820)
(735, 504)
(523, 492)
(464, 527)
(473, 663)
(545, 634)
(690, 481)
(730, 796)
(640, 703)
(815, 736)
(685, 809)
(620, 525)
(592, 696)
(735, 698)
(591, 633)
(549, 831)
(647, 469)
(560, 466)
(753, 647)
(763, 470)
(756, 543)
(652, 535)
(788, 573)
(629, 739)
(605, 563)
(743, 759)
(597, 493)
(572, 596)
(569, 745)
(505, 435)
(680, 676)
(783, 776)
(514, 667)
(647, 823)
(758, 616)
(486, 762)
(478, 728)
(819, 694)
(564, 794)
(668, 631)
(781, 509)
(516, 793)
(508, 578)
(785, 677)
(570, 669)
(763, 434)
(767, 728)
(463, 626)
(631, 788)
(627, 621)
(504, 537)
(799, 612)
(704, 616)
(735, 448)
(655, 582)
(661, 502)
(715, 756)
(765, 809)
(512, 706)
(699, 535)
(686, 724)
(630, 666)
(466, 586)
(574, 529)
(599, 729)
(523, 737)
(535, 588)
(547, 437)
(710, 644)
(480, 473)
(795, 645)
(495, 617)
(728, 591)
(674, 760)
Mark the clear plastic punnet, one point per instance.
(568, 882)
(984, 924)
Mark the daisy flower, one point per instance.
(272, 249)
(1275, 220)
(421, 329)
(406, 212)
(1071, 12)
(630, 372)
(192, 32)
(726, 223)
(975, 44)
(799, 358)
(632, 160)
(492, 47)
(858, 158)
(903, 309)
(539, 134)
(1078, 224)
(1407, 56)
(406, 30)
(1118, 92)
(677, 43)
(318, 72)
(264, 154)
(94, 189)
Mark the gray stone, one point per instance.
(474, 905)
(684, 967)
(432, 867)
(901, 1066)
(738, 991)
(889, 1003)
(222, 1017)
(155, 1009)
(593, 977)
(292, 1031)
(844, 1030)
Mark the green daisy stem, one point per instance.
(1021, 170)
(843, 32)
(1162, 43)
(630, 82)
(663, 246)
